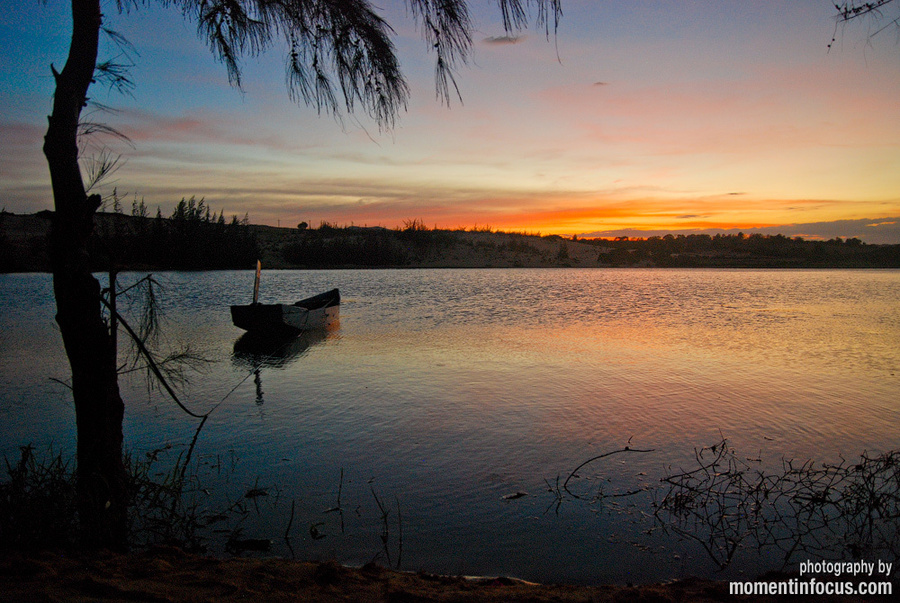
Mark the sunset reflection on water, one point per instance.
(449, 389)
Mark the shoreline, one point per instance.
(168, 574)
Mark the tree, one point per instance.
(854, 9)
(339, 57)
(875, 11)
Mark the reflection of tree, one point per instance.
(831, 511)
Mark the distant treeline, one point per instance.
(330, 246)
(740, 250)
(192, 238)
(196, 238)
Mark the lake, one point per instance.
(461, 398)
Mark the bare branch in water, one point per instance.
(726, 502)
(574, 472)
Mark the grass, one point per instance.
(166, 506)
(37, 503)
(725, 503)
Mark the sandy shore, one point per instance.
(168, 575)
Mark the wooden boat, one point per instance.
(314, 312)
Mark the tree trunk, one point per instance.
(101, 478)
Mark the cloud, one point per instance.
(883, 232)
(198, 126)
(503, 40)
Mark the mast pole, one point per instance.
(256, 283)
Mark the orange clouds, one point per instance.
(645, 118)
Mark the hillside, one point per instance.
(192, 240)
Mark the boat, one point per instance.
(314, 312)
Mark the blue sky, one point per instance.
(639, 117)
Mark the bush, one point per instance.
(37, 504)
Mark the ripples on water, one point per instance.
(444, 390)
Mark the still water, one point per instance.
(443, 392)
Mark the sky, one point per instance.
(639, 118)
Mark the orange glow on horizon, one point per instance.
(649, 215)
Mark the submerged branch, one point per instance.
(826, 509)
(596, 458)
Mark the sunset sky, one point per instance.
(640, 117)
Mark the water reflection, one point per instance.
(454, 388)
(253, 352)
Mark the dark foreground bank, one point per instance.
(168, 575)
